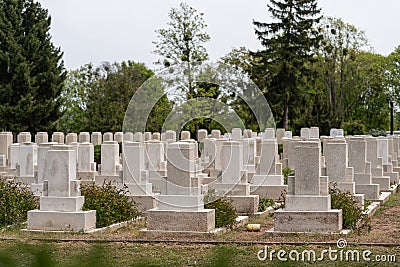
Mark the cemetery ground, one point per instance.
(127, 246)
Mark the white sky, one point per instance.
(116, 30)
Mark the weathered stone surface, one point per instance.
(189, 221)
(308, 221)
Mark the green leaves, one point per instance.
(289, 44)
(112, 205)
(15, 201)
(225, 212)
(183, 40)
(351, 210)
(31, 69)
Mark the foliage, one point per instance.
(97, 154)
(351, 211)
(75, 98)
(289, 43)
(225, 212)
(31, 69)
(264, 203)
(112, 205)
(377, 132)
(183, 40)
(353, 127)
(286, 173)
(15, 201)
(96, 98)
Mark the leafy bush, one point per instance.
(377, 132)
(112, 205)
(351, 211)
(15, 201)
(264, 203)
(225, 212)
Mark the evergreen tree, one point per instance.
(32, 73)
(289, 42)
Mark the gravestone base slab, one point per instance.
(308, 221)
(370, 191)
(268, 180)
(61, 221)
(269, 191)
(86, 176)
(25, 180)
(145, 202)
(245, 205)
(394, 177)
(190, 221)
(100, 179)
(346, 187)
(159, 184)
(64, 204)
(37, 189)
(231, 189)
(307, 203)
(384, 182)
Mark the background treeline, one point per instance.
(313, 70)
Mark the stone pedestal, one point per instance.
(181, 208)
(357, 152)
(135, 177)
(308, 204)
(61, 204)
(267, 182)
(71, 138)
(26, 163)
(234, 179)
(336, 161)
(84, 137)
(96, 138)
(86, 168)
(110, 167)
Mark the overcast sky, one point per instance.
(115, 30)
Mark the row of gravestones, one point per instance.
(241, 165)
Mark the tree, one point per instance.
(289, 44)
(392, 80)
(339, 50)
(75, 98)
(32, 73)
(183, 41)
(96, 98)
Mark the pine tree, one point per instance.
(32, 72)
(289, 42)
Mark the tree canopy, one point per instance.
(32, 72)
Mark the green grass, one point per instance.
(394, 200)
(160, 254)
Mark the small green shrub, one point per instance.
(377, 132)
(286, 172)
(15, 201)
(112, 205)
(225, 212)
(264, 203)
(351, 212)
